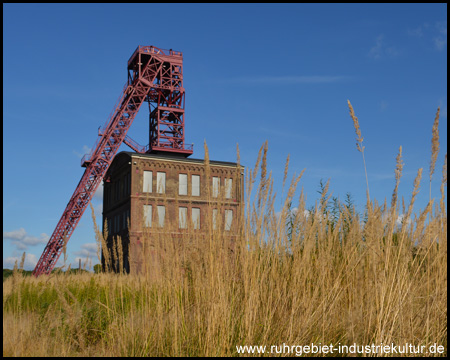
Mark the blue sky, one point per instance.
(252, 72)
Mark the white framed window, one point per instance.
(215, 186)
(196, 218)
(182, 216)
(214, 218)
(195, 185)
(228, 219)
(228, 187)
(161, 215)
(148, 215)
(161, 182)
(182, 184)
(148, 180)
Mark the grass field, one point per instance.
(334, 276)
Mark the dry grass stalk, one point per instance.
(413, 197)
(398, 175)
(359, 140)
(22, 261)
(434, 146)
(443, 185)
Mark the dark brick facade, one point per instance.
(124, 199)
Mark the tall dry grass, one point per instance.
(286, 277)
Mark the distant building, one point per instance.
(143, 193)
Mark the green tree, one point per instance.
(97, 268)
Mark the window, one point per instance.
(148, 215)
(196, 218)
(228, 187)
(215, 186)
(182, 186)
(195, 185)
(228, 219)
(214, 219)
(147, 181)
(161, 183)
(182, 215)
(129, 183)
(161, 215)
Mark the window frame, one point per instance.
(228, 222)
(159, 208)
(182, 209)
(185, 185)
(146, 215)
(196, 193)
(149, 174)
(196, 225)
(228, 188)
(215, 186)
(161, 182)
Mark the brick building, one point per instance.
(144, 193)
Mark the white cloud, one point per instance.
(98, 210)
(400, 219)
(294, 210)
(87, 250)
(99, 192)
(443, 106)
(88, 256)
(22, 240)
(376, 51)
(437, 34)
(29, 264)
(381, 49)
(440, 41)
(418, 32)
(85, 150)
(30, 261)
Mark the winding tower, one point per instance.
(155, 76)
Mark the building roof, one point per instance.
(177, 158)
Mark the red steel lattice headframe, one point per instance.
(154, 75)
(166, 104)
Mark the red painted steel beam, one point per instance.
(134, 145)
(148, 75)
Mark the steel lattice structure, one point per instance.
(156, 76)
